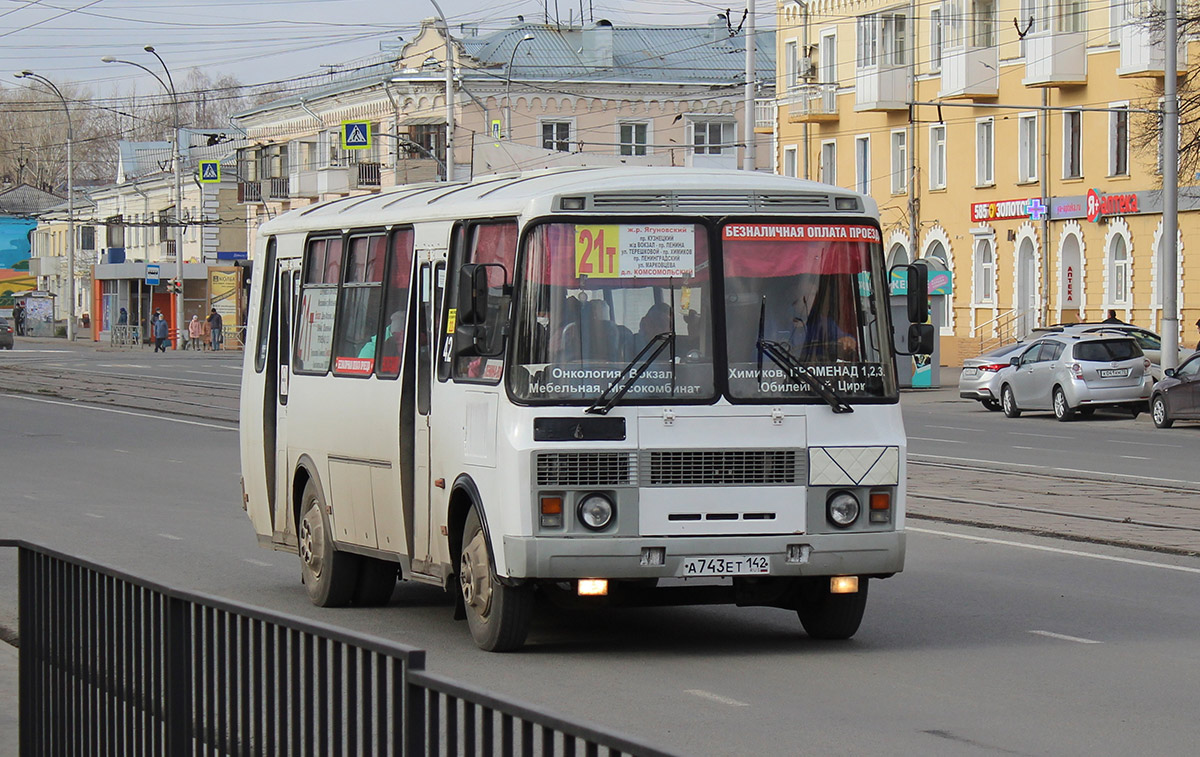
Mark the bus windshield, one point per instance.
(814, 292)
(594, 296)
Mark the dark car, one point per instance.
(1177, 396)
(6, 334)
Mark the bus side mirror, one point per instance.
(920, 339)
(474, 335)
(472, 295)
(917, 298)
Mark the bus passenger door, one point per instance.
(424, 378)
(285, 288)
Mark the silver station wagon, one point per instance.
(1073, 374)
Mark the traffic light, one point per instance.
(176, 286)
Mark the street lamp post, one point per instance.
(449, 93)
(508, 87)
(176, 168)
(70, 201)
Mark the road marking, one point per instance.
(1064, 637)
(119, 412)
(171, 537)
(127, 452)
(1040, 436)
(1145, 444)
(715, 697)
(954, 428)
(1017, 446)
(1055, 550)
(258, 562)
(928, 439)
(1135, 457)
(93, 515)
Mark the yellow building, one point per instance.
(1026, 163)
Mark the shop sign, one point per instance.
(1003, 210)
(940, 282)
(1099, 205)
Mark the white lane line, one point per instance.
(928, 439)
(954, 428)
(1040, 436)
(1135, 457)
(1145, 444)
(258, 562)
(93, 515)
(1055, 550)
(1064, 637)
(171, 537)
(1017, 446)
(127, 452)
(119, 412)
(715, 697)
(1032, 466)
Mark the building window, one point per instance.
(1072, 144)
(711, 137)
(633, 138)
(899, 162)
(556, 135)
(935, 39)
(897, 255)
(985, 271)
(882, 39)
(828, 166)
(862, 165)
(1118, 140)
(828, 72)
(985, 152)
(791, 63)
(937, 258)
(1118, 270)
(789, 162)
(1055, 15)
(87, 237)
(1027, 151)
(937, 156)
(983, 23)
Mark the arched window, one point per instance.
(935, 255)
(985, 271)
(1118, 271)
(898, 255)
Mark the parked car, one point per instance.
(6, 334)
(1076, 373)
(1177, 396)
(1150, 342)
(980, 376)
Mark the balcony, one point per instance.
(881, 87)
(368, 174)
(969, 72)
(249, 192)
(812, 103)
(302, 183)
(1143, 52)
(276, 189)
(1055, 59)
(765, 112)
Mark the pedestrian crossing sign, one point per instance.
(210, 171)
(356, 135)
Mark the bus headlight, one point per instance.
(596, 511)
(842, 509)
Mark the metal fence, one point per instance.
(112, 664)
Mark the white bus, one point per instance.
(619, 385)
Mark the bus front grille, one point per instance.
(764, 467)
(573, 469)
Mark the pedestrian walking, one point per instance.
(214, 327)
(1112, 318)
(18, 313)
(160, 334)
(123, 318)
(195, 332)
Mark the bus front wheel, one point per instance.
(825, 615)
(329, 576)
(498, 615)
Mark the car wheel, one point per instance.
(1062, 409)
(991, 405)
(831, 616)
(329, 576)
(1009, 402)
(498, 615)
(1158, 411)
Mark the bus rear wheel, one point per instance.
(330, 577)
(498, 615)
(831, 616)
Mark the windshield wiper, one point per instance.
(633, 371)
(782, 356)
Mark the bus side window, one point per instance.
(425, 339)
(395, 306)
(266, 309)
(318, 301)
(492, 243)
(356, 343)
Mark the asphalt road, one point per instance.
(988, 643)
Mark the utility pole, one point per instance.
(449, 94)
(751, 75)
(1170, 235)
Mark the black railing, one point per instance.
(115, 664)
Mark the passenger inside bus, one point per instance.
(595, 338)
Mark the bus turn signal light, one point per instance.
(552, 512)
(843, 585)
(593, 587)
(881, 505)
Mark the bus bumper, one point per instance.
(861, 554)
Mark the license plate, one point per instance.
(970, 372)
(1114, 372)
(725, 565)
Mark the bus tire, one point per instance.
(376, 582)
(498, 615)
(330, 576)
(831, 616)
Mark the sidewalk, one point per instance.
(82, 344)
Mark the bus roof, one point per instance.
(604, 190)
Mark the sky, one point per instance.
(263, 41)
